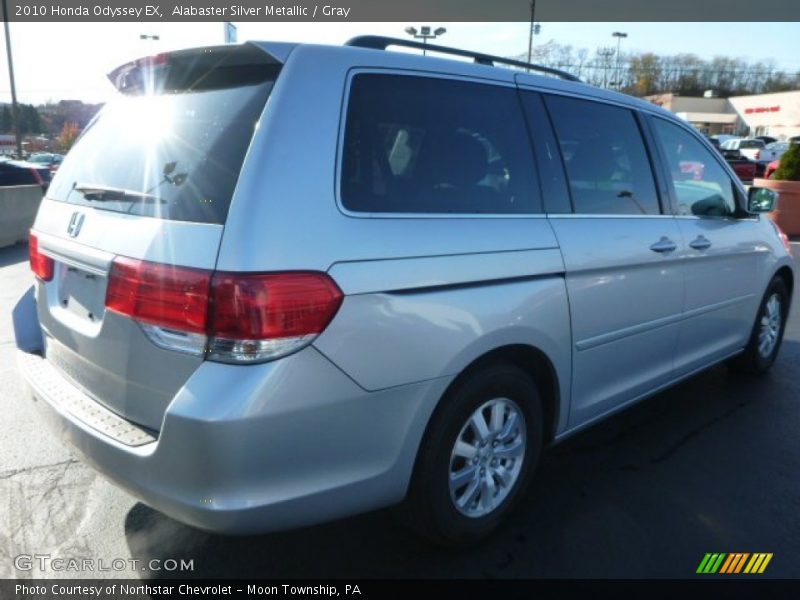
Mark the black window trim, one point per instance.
(537, 141)
(376, 70)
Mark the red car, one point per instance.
(771, 168)
(746, 170)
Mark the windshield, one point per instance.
(178, 154)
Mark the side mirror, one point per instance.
(761, 200)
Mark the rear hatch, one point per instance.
(147, 186)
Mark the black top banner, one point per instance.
(403, 10)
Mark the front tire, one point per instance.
(767, 335)
(478, 455)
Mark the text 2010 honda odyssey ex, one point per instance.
(279, 284)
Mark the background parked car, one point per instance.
(749, 147)
(50, 160)
(724, 137)
(744, 168)
(771, 168)
(16, 172)
(767, 139)
(774, 151)
(774, 164)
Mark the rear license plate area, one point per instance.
(81, 293)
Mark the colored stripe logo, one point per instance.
(734, 563)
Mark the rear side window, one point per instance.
(425, 145)
(607, 165)
(175, 152)
(700, 184)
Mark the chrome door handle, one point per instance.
(700, 243)
(664, 245)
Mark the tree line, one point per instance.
(47, 119)
(647, 73)
(30, 121)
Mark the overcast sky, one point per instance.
(55, 61)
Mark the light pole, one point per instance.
(619, 35)
(14, 107)
(535, 28)
(425, 34)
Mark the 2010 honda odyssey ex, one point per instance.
(279, 284)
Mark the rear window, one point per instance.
(751, 144)
(176, 153)
(426, 145)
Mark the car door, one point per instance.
(721, 249)
(624, 283)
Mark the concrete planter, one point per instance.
(787, 213)
(18, 206)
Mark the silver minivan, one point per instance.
(278, 284)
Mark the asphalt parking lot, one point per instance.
(712, 465)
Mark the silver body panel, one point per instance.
(334, 429)
(621, 347)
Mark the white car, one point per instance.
(773, 151)
(748, 147)
(725, 137)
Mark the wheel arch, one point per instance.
(787, 275)
(529, 359)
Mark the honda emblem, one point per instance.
(75, 224)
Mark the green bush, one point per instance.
(789, 168)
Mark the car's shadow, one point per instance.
(645, 493)
(11, 255)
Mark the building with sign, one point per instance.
(709, 114)
(777, 115)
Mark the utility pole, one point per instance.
(14, 106)
(619, 35)
(530, 35)
(605, 54)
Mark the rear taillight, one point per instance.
(256, 317)
(233, 317)
(41, 265)
(164, 295)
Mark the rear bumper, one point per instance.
(248, 449)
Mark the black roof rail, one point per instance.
(378, 42)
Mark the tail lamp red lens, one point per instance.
(273, 305)
(232, 307)
(41, 265)
(164, 295)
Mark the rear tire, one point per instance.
(478, 455)
(767, 335)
